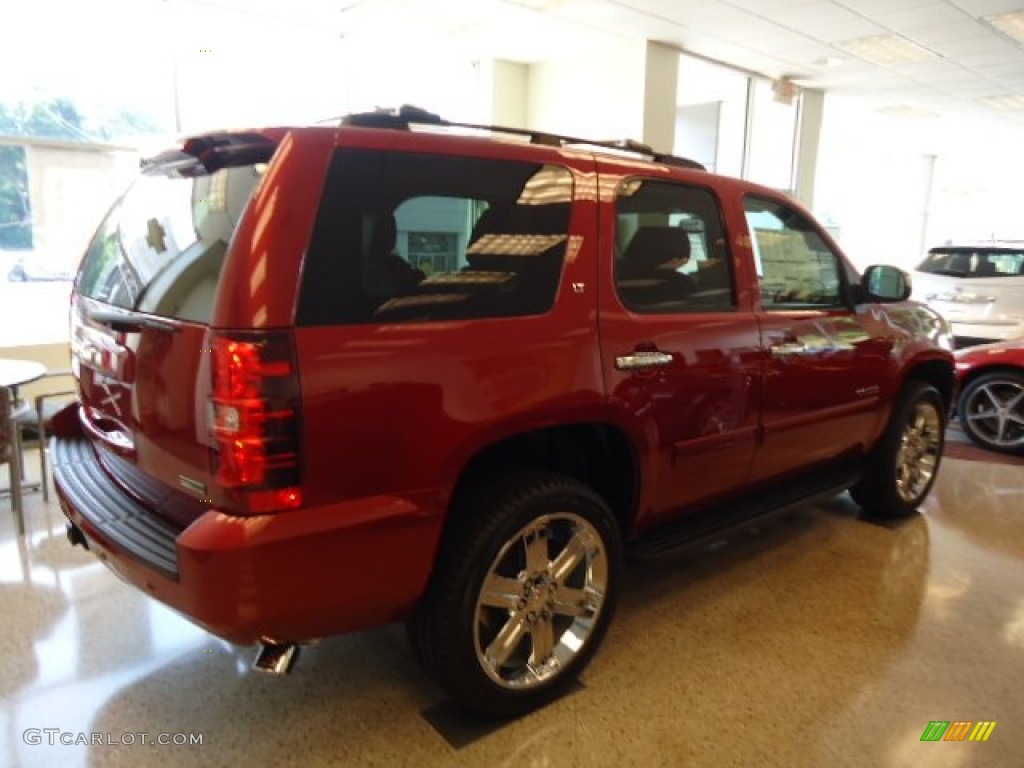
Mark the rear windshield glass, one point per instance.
(974, 262)
(161, 247)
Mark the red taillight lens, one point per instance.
(255, 420)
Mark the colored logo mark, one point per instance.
(958, 730)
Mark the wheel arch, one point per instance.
(940, 374)
(600, 455)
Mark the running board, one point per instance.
(709, 525)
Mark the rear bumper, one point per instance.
(293, 576)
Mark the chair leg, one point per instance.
(44, 460)
(14, 472)
(18, 446)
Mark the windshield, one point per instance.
(161, 247)
(974, 262)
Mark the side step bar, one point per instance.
(702, 528)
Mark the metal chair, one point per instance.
(37, 417)
(10, 454)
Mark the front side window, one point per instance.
(670, 251)
(795, 266)
(407, 237)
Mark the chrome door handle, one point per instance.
(638, 361)
(788, 348)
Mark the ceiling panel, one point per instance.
(766, 37)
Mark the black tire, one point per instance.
(901, 468)
(492, 537)
(991, 411)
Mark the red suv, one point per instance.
(400, 369)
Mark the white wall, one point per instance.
(598, 94)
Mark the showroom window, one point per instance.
(74, 135)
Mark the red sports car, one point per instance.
(991, 402)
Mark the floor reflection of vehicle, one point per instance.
(991, 402)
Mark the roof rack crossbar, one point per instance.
(406, 116)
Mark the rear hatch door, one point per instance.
(140, 317)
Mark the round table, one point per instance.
(14, 373)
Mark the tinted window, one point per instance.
(410, 237)
(670, 249)
(974, 262)
(161, 247)
(794, 265)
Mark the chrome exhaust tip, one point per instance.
(276, 658)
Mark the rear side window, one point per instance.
(974, 262)
(410, 237)
(161, 248)
(670, 253)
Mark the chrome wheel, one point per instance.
(540, 600)
(992, 412)
(919, 450)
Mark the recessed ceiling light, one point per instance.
(829, 61)
(1011, 102)
(906, 113)
(1010, 24)
(888, 50)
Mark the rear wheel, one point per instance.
(901, 468)
(522, 594)
(991, 411)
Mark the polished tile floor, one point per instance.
(819, 640)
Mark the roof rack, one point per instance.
(406, 116)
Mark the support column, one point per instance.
(808, 138)
(661, 79)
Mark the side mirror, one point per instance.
(884, 283)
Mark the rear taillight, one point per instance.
(255, 420)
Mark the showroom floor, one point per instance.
(820, 640)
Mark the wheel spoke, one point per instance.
(537, 559)
(506, 641)
(982, 415)
(576, 602)
(501, 592)
(992, 397)
(574, 553)
(542, 638)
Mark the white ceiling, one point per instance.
(773, 38)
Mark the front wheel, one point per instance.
(522, 594)
(991, 411)
(901, 469)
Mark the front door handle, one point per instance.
(787, 348)
(642, 360)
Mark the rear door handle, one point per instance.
(642, 360)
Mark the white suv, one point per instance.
(978, 288)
